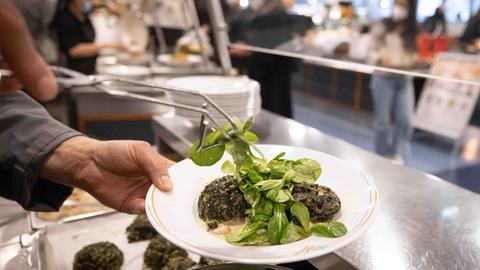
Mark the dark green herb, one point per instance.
(140, 229)
(159, 251)
(178, 262)
(321, 201)
(102, 255)
(220, 201)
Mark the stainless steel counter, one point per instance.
(423, 222)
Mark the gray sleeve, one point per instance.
(28, 134)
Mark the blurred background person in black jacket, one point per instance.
(76, 35)
(272, 26)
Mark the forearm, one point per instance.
(28, 134)
(66, 164)
(90, 49)
(85, 50)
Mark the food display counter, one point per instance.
(423, 222)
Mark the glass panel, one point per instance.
(340, 34)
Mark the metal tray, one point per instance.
(79, 205)
(60, 242)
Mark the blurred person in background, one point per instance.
(38, 15)
(471, 36)
(393, 46)
(436, 24)
(239, 24)
(76, 35)
(271, 27)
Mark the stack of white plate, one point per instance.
(127, 71)
(237, 96)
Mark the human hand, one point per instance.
(116, 173)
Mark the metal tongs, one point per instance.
(69, 78)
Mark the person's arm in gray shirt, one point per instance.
(34, 147)
(28, 134)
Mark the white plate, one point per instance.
(174, 214)
(215, 85)
(191, 60)
(126, 70)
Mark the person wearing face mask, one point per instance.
(76, 35)
(393, 46)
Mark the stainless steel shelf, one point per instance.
(423, 221)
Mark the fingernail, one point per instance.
(166, 181)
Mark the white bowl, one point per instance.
(174, 214)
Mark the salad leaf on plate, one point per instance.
(228, 168)
(269, 184)
(293, 233)
(306, 171)
(300, 211)
(329, 229)
(267, 187)
(207, 157)
(244, 231)
(251, 193)
(277, 224)
(255, 239)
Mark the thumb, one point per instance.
(154, 165)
